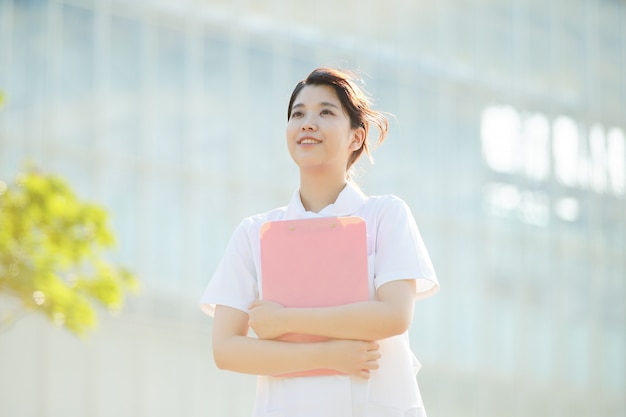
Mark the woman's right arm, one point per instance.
(234, 350)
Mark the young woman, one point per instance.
(328, 122)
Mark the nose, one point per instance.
(308, 124)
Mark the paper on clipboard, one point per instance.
(317, 262)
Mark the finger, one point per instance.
(373, 359)
(371, 346)
(374, 354)
(363, 374)
(372, 365)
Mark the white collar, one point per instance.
(348, 202)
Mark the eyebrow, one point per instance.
(323, 104)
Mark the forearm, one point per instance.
(368, 320)
(234, 350)
(391, 314)
(268, 357)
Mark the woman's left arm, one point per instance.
(389, 315)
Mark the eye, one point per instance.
(296, 114)
(327, 111)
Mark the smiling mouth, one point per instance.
(309, 141)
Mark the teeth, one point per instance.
(309, 142)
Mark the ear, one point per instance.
(358, 137)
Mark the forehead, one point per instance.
(316, 94)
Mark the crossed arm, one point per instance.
(353, 329)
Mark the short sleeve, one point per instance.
(234, 283)
(400, 250)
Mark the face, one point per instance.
(319, 135)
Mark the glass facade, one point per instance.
(507, 140)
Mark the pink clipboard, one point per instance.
(317, 262)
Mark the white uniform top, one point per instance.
(395, 251)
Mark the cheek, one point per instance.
(290, 137)
(290, 130)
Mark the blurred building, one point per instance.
(507, 141)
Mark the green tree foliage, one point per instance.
(52, 254)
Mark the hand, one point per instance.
(355, 357)
(264, 319)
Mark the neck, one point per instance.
(318, 191)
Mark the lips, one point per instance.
(308, 141)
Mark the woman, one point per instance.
(328, 123)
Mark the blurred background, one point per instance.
(508, 142)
